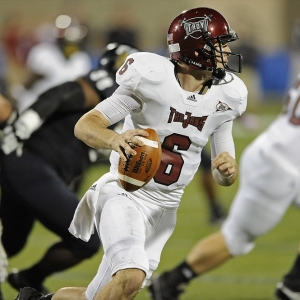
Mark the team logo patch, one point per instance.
(221, 106)
(195, 26)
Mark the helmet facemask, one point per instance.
(213, 50)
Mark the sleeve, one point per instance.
(66, 97)
(119, 105)
(222, 140)
(139, 69)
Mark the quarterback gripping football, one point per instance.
(139, 169)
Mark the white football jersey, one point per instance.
(48, 60)
(185, 121)
(283, 135)
(269, 179)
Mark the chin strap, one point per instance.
(218, 73)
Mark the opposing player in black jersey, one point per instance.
(39, 161)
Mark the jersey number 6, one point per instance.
(128, 62)
(171, 162)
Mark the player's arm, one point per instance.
(224, 166)
(67, 97)
(90, 94)
(6, 109)
(8, 114)
(92, 128)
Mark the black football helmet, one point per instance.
(195, 37)
(114, 56)
(70, 34)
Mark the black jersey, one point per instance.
(103, 82)
(55, 140)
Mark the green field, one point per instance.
(253, 276)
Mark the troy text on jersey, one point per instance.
(186, 119)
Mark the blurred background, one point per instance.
(271, 21)
(269, 32)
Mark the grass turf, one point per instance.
(253, 276)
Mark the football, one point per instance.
(138, 170)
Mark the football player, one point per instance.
(41, 158)
(59, 56)
(188, 99)
(6, 110)
(269, 185)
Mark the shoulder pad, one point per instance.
(139, 67)
(234, 92)
(233, 86)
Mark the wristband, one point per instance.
(27, 123)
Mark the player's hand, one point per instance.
(10, 142)
(125, 142)
(225, 164)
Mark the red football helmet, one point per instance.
(195, 37)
